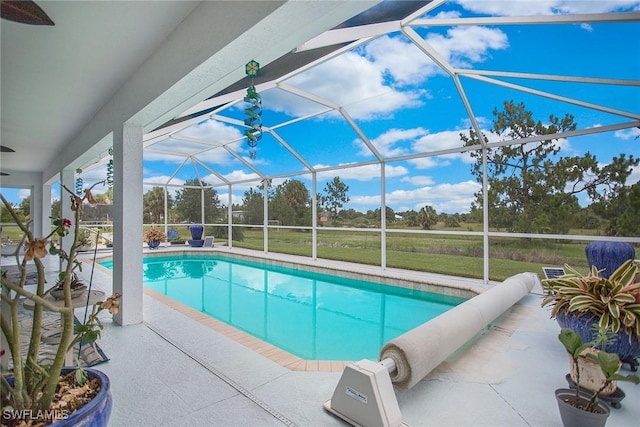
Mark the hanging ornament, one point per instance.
(79, 183)
(254, 111)
(110, 169)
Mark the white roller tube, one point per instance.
(420, 350)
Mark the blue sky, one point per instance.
(406, 104)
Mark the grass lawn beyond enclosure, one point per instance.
(444, 254)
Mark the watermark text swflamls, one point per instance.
(35, 415)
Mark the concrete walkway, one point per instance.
(174, 371)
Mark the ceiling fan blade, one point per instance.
(5, 149)
(4, 174)
(24, 12)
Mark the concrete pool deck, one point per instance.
(173, 370)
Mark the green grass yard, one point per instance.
(445, 254)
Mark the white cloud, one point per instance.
(438, 141)
(544, 7)
(587, 27)
(209, 131)
(401, 59)
(447, 15)
(239, 175)
(435, 142)
(23, 193)
(449, 198)
(224, 198)
(459, 45)
(634, 177)
(627, 134)
(427, 162)
(360, 173)
(462, 46)
(353, 81)
(418, 180)
(388, 143)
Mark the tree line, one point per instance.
(532, 188)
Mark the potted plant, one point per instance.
(30, 390)
(579, 408)
(153, 237)
(579, 302)
(607, 256)
(196, 231)
(85, 242)
(77, 286)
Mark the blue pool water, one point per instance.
(314, 316)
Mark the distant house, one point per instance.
(325, 216)
(237, 214)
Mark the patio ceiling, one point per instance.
(55, 79)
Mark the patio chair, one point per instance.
(208, 242)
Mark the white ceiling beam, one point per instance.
(425, 9)
(365, 139)
(417, 40)
(544, 94)
(196, 140)
(311, 97)
(227, 99)
(290, 149)
(552, 77)
(535, 19)
(346, 35)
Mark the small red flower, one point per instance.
(66, 223)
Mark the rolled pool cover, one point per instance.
(418, 351)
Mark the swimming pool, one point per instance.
(309, 314)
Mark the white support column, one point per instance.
(202, 206)
(314, 217)
(383, 217)
(67, 179)
(37, 212)
(265, 219)
(44, 209)
(127, 222)
(166, 214)
(485, 216)
(230, 217)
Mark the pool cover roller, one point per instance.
(418, 351)
(364, 395)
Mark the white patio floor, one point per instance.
(171, 370)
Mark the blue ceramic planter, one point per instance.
(608, 256)
(95, 413)
(196, 231)
(626, 346)
(154, 244)
(196, 243)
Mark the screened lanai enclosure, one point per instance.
(431, 135)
